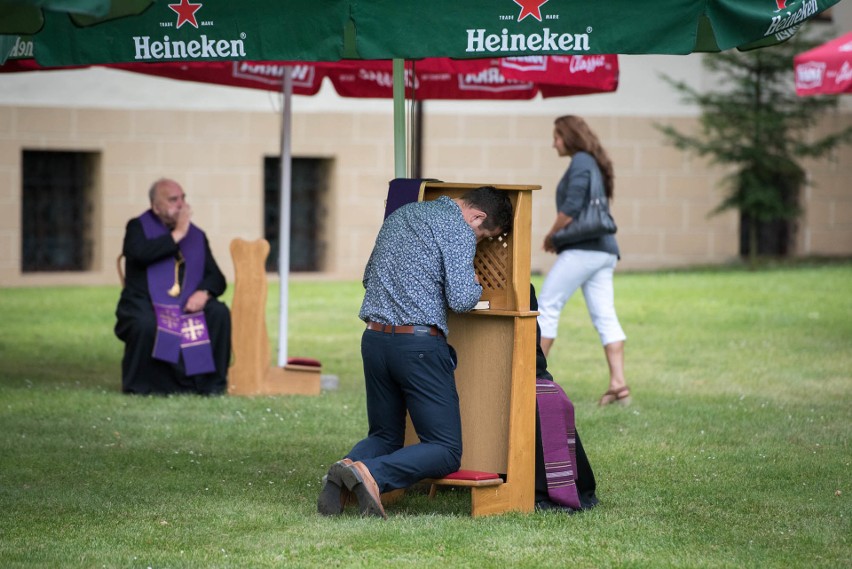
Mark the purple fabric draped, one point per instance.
(178, 333)
(558, 441)
(402, 191)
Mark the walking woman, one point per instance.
(585, 264)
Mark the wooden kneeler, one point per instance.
(495, 377)
(473, 479)
(251, 372)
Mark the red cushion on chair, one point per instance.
(304, 362)
(471, 475)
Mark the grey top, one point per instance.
(421, 264)
(572, 194)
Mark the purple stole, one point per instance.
(402, 191)
(558, 441)
(179, 333)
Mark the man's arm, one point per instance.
(461, 287)
(578, 186)
(212, 284)
(561, 221)
(365, 280)
(142, 251)
(213, 280)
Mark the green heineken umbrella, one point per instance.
(499, 28)
(306, 30)
(26, 17)
(198, 30)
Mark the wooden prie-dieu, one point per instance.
(495, 377)
(251, 371)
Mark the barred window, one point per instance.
(308, 212)
(57, 208)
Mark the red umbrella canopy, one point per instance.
(435, 78)
(495, 78)
(825, 69)
(555, 75)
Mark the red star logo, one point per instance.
(530, 8)
(186, 13)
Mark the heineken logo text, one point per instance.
(177, 49)
(22, 48)
(478, 41)
(780, 23)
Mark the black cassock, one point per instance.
(585, 477)
(136, 324)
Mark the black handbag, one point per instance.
(593, 221)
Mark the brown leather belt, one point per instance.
(391, 329)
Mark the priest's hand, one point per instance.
(197, 301)
(182, 223)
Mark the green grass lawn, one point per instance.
(735, 452)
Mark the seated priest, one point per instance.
(176, 334)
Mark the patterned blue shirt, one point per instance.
(422, 264)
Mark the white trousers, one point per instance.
(591, 270)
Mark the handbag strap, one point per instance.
(596, 191)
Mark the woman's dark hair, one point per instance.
(578, 137)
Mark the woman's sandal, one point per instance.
(620, 396)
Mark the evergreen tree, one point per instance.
(756, 123)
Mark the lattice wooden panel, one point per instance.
(493, 264)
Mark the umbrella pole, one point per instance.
(417, 141)
(284, 215)
(399, 118)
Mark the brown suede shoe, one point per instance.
(334, 495)
(357, 478)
